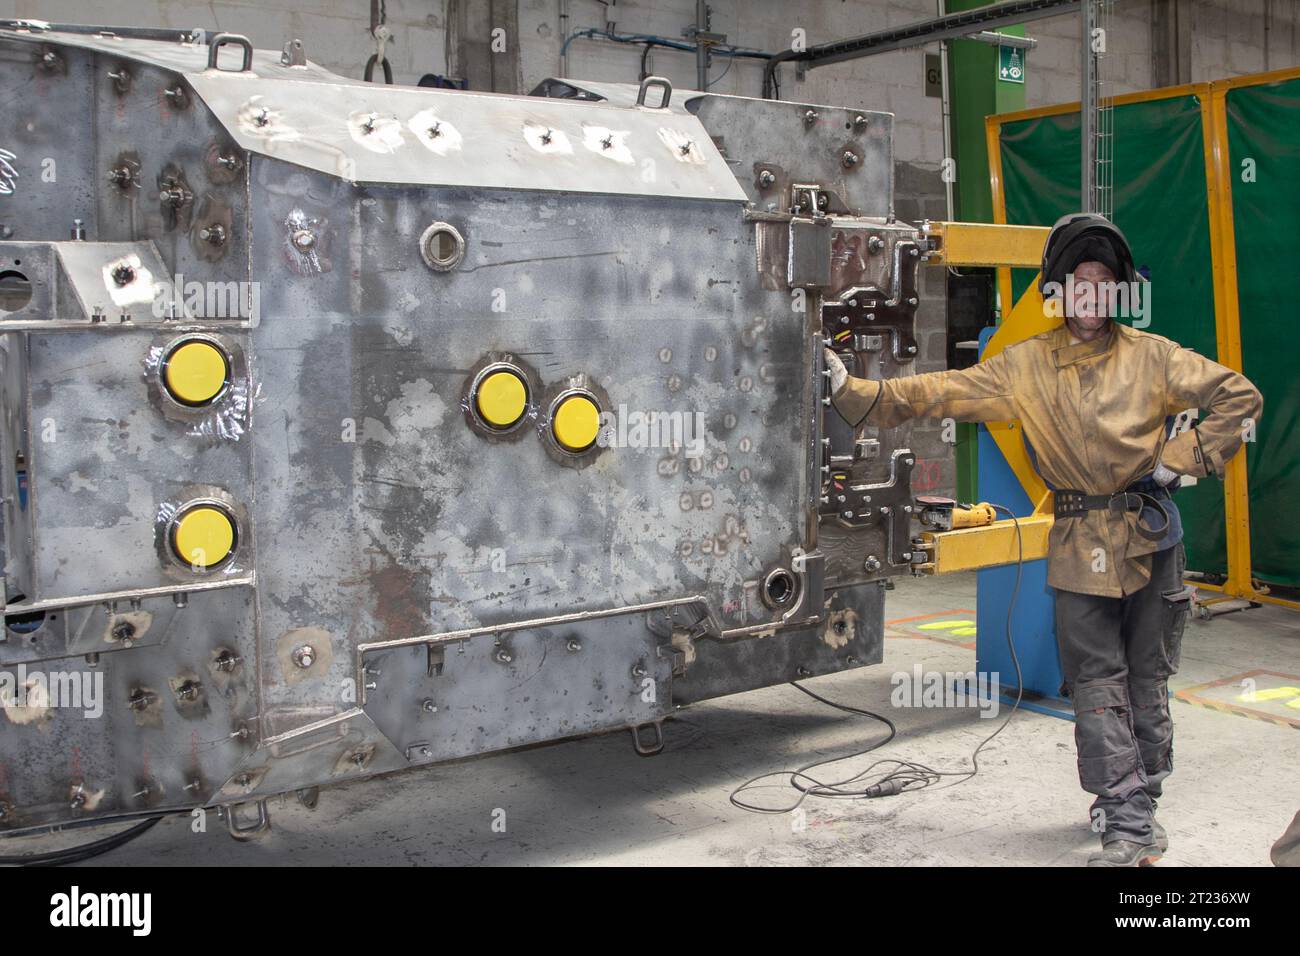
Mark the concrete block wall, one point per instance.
(1236, 37)
(1053, 67)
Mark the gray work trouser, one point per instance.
(1117, 655)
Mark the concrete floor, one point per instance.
(594, 801)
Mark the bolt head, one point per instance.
(304, 656)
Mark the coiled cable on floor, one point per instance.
(905, 774)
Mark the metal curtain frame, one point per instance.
(1240, 584)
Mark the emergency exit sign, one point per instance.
(1011, 64)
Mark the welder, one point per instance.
(1096, 399)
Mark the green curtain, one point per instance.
(1160, 204)
(1264, 146)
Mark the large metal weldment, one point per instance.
(301, 381)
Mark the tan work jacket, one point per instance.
(1095, 414)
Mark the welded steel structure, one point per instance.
(403, 573)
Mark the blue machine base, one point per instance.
(1050, 706)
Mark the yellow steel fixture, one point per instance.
(576, 422)
(986, 244)
(203, 536)
(196, 372)
(501, 398)
(983, 546)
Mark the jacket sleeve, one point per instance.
(980, 393)
(1228, 403)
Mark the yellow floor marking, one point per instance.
(945, 625)
(1273, 693)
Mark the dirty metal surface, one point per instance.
(386, 545)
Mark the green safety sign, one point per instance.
(1011, 64)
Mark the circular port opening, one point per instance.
(779, 588)
(196, 372)
(15, 290)
(24, 623)
(204, 536)
(442, 247)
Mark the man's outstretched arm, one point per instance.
(980, 393)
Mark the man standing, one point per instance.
(1095, 399)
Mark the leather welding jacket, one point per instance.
(1095, 414)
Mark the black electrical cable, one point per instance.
(908, 775)
(83, 851)
(725, 70)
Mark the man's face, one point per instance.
(1090, 299)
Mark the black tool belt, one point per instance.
(1071, 504)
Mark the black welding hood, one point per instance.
(1085, 237)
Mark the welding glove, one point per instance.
(1163, 476)
(839, 374)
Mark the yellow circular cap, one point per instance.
(577, 422)
(501, 399)
(204, 537)
(196, 372)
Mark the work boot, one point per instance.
(1159, 837)
(1125, 853)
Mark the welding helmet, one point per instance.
(1085, 237)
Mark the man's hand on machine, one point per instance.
(839, 374)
